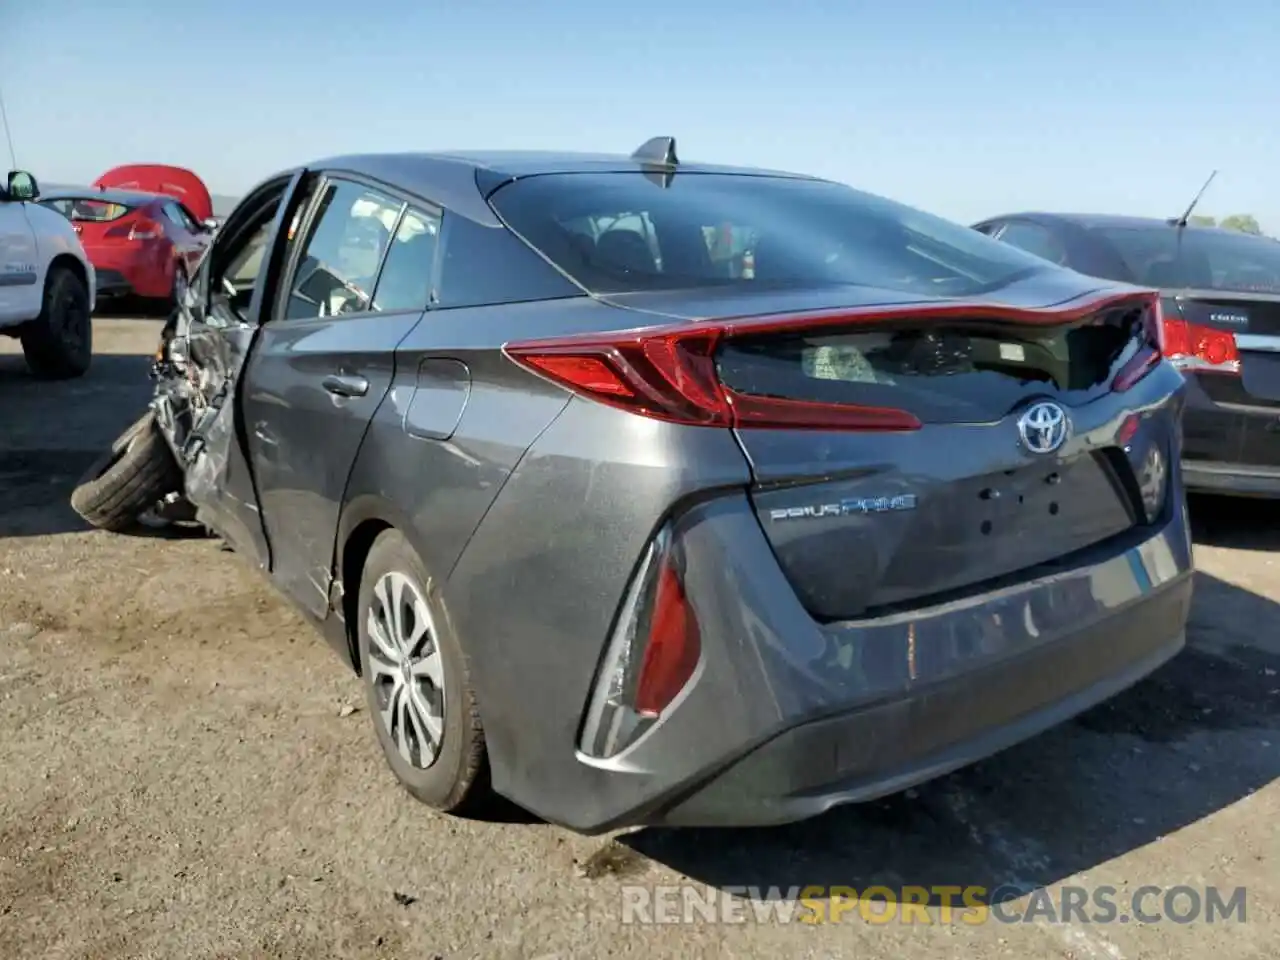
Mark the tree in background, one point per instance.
(1244, 222)
(1201, 221)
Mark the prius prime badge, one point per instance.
(1043, 427)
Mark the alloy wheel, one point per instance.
(406, 669)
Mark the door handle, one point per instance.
(345, 385)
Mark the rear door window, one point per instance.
(349, 234)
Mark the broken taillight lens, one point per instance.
(669, 373)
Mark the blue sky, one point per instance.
(963, 107)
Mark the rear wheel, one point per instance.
(417, 682)
(58, 345)
(129, 479)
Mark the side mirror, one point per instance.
(22, 186)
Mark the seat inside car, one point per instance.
(624, 250)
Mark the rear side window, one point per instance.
(943, 373)
(625, 232)
(1035, 238)
(487, 265)
(407, 272)
(1198, 258)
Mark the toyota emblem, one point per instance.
(1043, 427)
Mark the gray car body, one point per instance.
(529, 507)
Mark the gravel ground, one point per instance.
(182, 773)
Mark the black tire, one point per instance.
(136, 473)
(458, 780)
(58, 344)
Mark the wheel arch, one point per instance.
(363, 521)
(71, 262)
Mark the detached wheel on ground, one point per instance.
(129, 479)
(417, 683)
(58, 345)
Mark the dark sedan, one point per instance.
(1221, 327)
(647, 492)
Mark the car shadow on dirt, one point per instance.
(1198, 735)
(52, 431)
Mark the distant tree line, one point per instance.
(1244, 222)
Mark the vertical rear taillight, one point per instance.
(652, 654)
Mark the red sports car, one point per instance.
(140, 244)
(143, 226)
(177, 182)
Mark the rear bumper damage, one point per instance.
(889, 745)
(785, 716)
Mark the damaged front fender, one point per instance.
(198, 372)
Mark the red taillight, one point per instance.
(673, 647)
(1128, 429)
(652, 654)
(669, 373)
(139, 228)
(1199, 349)
(144, 229)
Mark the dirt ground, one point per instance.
(182, 775)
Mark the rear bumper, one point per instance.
(787, 717)
(113, 283)
(1231, 479)
(144, 271)
(1230, 448)
(886, 747)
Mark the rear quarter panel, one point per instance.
(536, 591)
(455, 423)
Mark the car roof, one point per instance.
(459, 180)
(128, 198)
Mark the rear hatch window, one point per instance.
(626, 233)
(1198, 258)
(954, 372)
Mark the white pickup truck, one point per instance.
(46, 283)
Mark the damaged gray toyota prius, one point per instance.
(645, 492)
